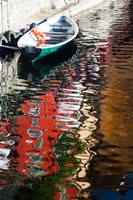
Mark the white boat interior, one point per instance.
(56, 30)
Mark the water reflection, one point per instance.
(63, 133)
(8, 72)
(112, 169)
(31, 136)
(36, 127)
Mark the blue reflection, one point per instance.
(105, 194)
(124, 193)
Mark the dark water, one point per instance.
(66, 122)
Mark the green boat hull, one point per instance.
(35, 54)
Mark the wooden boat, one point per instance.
(48, 37)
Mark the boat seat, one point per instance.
(61, 24)
(58, 34)
(58, 29)
(54, 40)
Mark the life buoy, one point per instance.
(38, 35)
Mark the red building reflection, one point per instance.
(38, 130)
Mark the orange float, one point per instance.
(39, 36)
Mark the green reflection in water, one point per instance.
(65, 149)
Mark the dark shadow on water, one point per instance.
(35, 71)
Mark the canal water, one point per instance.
(66, 122)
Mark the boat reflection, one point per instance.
(36, 71)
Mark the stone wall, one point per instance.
(15, 12)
